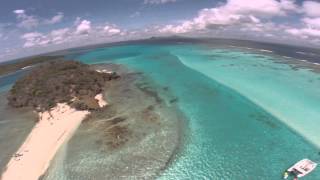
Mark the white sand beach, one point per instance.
(53, 129)
(100, 99)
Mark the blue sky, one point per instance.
(38, 26)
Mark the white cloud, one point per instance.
(289, 5)
(234, 12)
(135, 14)
(55, 19)
(311, 32)
(84, 27)
(216, 16)
(36, 39)
(304, 32)
(32, 39)
(293, 31)
(311, 8)
(59, 32)
(73, 35)
(29, 22)
(26, 21)
(251, 27)
(60, 35)
(114, 31)
(31, 35)
(238, 18)
(312, 22)
(310, 28)
(158, 1)
(77, 21)
(254, 19)
(268, 35)
(183, 28)
(232, 19)
(19, 11)
(261, 7)
(111, 30)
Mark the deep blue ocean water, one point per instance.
(250, 114)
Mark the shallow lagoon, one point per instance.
(247, 114)
(232, 135)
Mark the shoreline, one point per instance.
(54, 128)
(141, 125)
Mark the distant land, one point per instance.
(280, 49)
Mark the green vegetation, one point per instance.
(17, 65)
(59, 82)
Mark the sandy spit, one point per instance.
(54, 128)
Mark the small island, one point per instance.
(25, 63)
(56, 82)
(139, 123)
(63, 93)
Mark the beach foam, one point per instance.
(26, 67)
(306, 53)
(54, 128)
(264, 50)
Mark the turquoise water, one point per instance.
(249, 116)
(291, 95)
(6, 81)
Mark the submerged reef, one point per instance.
(55, 82)
(137, 136)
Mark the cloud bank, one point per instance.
(263, 19)
(29, 21)
(258, 17)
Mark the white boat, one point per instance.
(301, 168)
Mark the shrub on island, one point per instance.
(55, 82)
